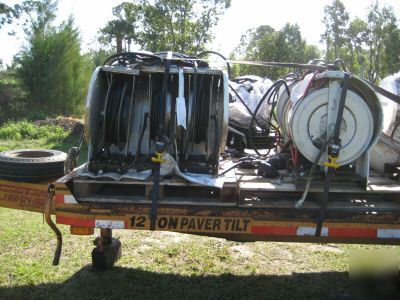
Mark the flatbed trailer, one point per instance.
(247, 208)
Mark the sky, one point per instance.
(91, 15)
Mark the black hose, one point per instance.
(161, 125)
(181, 59)
(216, 137)
(230, 168)
(318, 61)
(146, 58)
(124, 114)
(133, 57)
(228, 67)
(139, 145)
(243, 79)
(244, 104)
(192, 108)
(202, 111)
(311, 173)
(276, 85)
(339, 61)
(111, 111)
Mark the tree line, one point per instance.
(50, 74)
(369, 45)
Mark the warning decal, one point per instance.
(23, 196)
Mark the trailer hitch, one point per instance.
(49, 221)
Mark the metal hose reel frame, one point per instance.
(370, 112)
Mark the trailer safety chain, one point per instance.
(334, 146)
(49, 221)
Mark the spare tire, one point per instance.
(32, 165)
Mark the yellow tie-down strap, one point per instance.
(157, 158)
(331, 163)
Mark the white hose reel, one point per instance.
(309, 116)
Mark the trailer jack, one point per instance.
(49, 221)
(107, 252)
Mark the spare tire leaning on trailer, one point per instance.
(32, 165)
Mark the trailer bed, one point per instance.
(247, 208)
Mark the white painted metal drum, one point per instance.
(387, 150)
(304, 118)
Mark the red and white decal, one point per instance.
(303, 231)
(331, 232)
(66, 199)
(80, 222)
(388, 233)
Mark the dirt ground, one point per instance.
(75, 126)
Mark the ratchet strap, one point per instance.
(160, 148)
(157, 161)
(334, 146)
(383, 92)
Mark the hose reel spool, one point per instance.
(133, 100)
(309, 116)
(117, 107)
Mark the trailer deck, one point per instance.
(247, 208)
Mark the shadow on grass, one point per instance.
(126, 283)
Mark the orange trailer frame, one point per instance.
(364, 223)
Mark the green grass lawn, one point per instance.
(162, 265)
(165, 265)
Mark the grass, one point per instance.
(166, 265)
(163, 265)
(25, 130)
(26, 135)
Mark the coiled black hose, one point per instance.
(111, 110)
(201, 111)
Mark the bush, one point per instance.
(27, 130)
(37, 116)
